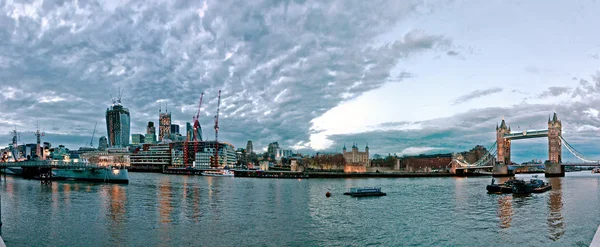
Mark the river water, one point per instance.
(175, 210)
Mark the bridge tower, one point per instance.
(503, 144)
(503, 147)
(552, 166)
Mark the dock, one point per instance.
(270, 174)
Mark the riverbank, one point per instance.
(314, 174)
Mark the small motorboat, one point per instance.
(360, 192)
(218, 173)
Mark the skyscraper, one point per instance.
(102, 143)
(150, 133)
(249, 148)
(164, 120)
(189, 130)
(117, 124)
(174, 129)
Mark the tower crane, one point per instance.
(195, 138)
(93, 133)
(217, 131)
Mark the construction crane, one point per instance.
(195, 137)
(197, 126)
(93, 133)
(217, 131)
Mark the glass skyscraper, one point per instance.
(117, 125)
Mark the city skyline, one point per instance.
(408, 77)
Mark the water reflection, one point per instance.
(505, 210)
(165, 208)
(164, 196)
(556, 222)
(67, 194)
(116, 210)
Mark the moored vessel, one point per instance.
(218, 173)
(360, 192)
(108, 174)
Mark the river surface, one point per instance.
(175, 210)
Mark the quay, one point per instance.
(319, 174)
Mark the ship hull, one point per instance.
(105, 175)
(17, 171)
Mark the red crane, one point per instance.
(196, 138)
(217, 131)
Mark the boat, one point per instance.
(596, 170)
(108, 174)
(521, 187)
(360, 192)
(506, 187)
(218, 173)
(539, 185)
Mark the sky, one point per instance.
(406, 77)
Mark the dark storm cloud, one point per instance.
(476, 94)
(279, 64)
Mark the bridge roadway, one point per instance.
(526, 134)
(50, 164)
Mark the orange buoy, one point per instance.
(327, 194)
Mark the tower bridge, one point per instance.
(499, 156)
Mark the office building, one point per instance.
(249, 147)
(137, 139)
(117, 124)
(102, 143)
(164, 129)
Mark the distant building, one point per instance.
(249, 147)
(117, 124)
(150, 137)
(356, 161)
(283, 153)
(102, 143)
(272, 148)
(152, 158)
(137, 139)
(164, 120)
(189, 132)
(425, 163)
(227, 154)
(174, 129)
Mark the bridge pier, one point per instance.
(501, 170)
(554, 170)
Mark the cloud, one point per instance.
(555, 91)
(452, 53)
(476, 94)
(417, 150)
(279, 64)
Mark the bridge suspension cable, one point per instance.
(492, 151)
(576, 153)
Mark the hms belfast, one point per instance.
(22, 161)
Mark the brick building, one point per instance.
(425, 163)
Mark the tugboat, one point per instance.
(506, 187)
(539, 185)
(519, 186)
(360, 192)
